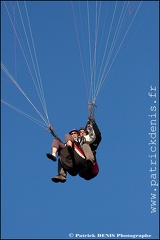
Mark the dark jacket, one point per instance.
(95, 144)
(90, 173)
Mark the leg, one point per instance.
(56, 144)
(68, 139)
(61, 177)
(88, 152)
(61, 170)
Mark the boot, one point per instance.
(59, 178)
(50, 156)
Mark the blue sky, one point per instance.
(123, 198)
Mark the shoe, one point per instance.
(50, 156)
(59, 178)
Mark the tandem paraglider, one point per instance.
(100, 35)
(77, 156)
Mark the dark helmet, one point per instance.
(74, 130)
(83, 128)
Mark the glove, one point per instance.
(91, 119)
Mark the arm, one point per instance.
(97, 133)
(90, 137)
(95, 144)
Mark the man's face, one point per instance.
(74, 134)
(82, 133)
